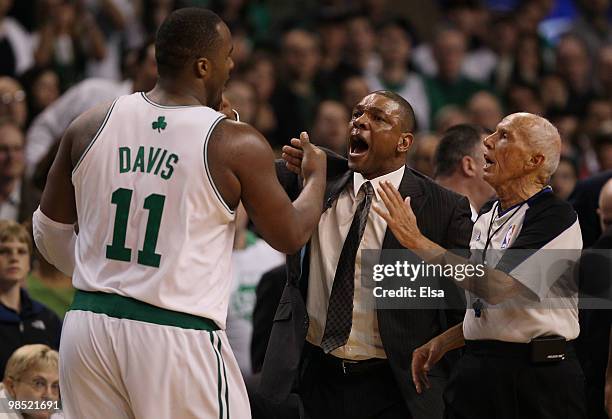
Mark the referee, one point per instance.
(519, 360)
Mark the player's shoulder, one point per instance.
(83, 129)
(238, 136)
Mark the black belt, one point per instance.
(498, 348)
(346, 366)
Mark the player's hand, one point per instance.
(423, 359)
(400, 218)
(293, 155)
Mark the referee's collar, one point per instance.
(545, 190)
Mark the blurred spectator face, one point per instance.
(603, 148)
(262, 75)
(333, 36)
(242, 47)
(45, 89)
(553, 92)
(12, 159)
(604, 69)
(449, 116)
(34, 376)
(564, 179)
(567, 125)
(449, 51)
(13, 101)
(523, 99)
(573, 61)
(528, 54)
(424, 153)
(505, 37)
(485, 110)
(529, 17)
(14, 261)
(595, 7)
(598, 112)
(394, 46)
(330, 126)
(301, 54)
(361, 36)
(243, 98)
(147, 69)
(5, 5)
(353, 89)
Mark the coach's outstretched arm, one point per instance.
(242, 167)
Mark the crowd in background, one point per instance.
(302, 66)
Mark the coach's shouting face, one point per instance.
(380, 134)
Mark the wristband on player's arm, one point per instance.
(55, 241)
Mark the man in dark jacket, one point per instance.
(330, 353)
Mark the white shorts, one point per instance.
(113, 368)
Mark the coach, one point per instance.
(329, 351)
(519, 360)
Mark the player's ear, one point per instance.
(202, 68)
(9, 385)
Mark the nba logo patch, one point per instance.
(508, 236)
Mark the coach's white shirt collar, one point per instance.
(394, 177)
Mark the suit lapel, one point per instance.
(409, 186)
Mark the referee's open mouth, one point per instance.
(358, 146)
(488, 162)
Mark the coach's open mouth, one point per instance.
(358, 146)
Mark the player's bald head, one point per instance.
(186, 35)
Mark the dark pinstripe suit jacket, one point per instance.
(442, 216)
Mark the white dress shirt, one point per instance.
(326, 245)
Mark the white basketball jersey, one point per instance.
(152, 225)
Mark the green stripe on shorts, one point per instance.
(121, 307)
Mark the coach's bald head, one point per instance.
(521, 155)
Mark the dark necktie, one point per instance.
(340, 309)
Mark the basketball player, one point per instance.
(153, 180)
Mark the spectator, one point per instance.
(67, 38)
(32, 374)
(13, 101)
(395, 45)
(15, 45)
(251, 258)
(604, 72)
(330, 128)
(297, 97)
(459, 165)
(565, 177)
(42, 88)
(603, 148)
(449, 86)
(243, 98)
(524, 97)
(528, 66)
(503, 41)
(361, 57)
(261, 73)
(17, 199)
(353, 89)
(553, 92)
(423, 153)
(485, 110)
(50, 125)
(22, 320)
(574, 66)
(449, 116)
(592, 26)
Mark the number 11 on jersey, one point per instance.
(154, 203)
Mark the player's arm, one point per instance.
(242, 165)
(53, 222)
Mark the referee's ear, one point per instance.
(405, 142)
(536, 161)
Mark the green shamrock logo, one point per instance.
(160, 124)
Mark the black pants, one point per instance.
(365, 391)
(497, 380)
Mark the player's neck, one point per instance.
(169, 94)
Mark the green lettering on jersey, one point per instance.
(152, 158)
(170, 169)
(163, 157)
(139, 162)
(124, 159)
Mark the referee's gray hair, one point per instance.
(545, 139)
